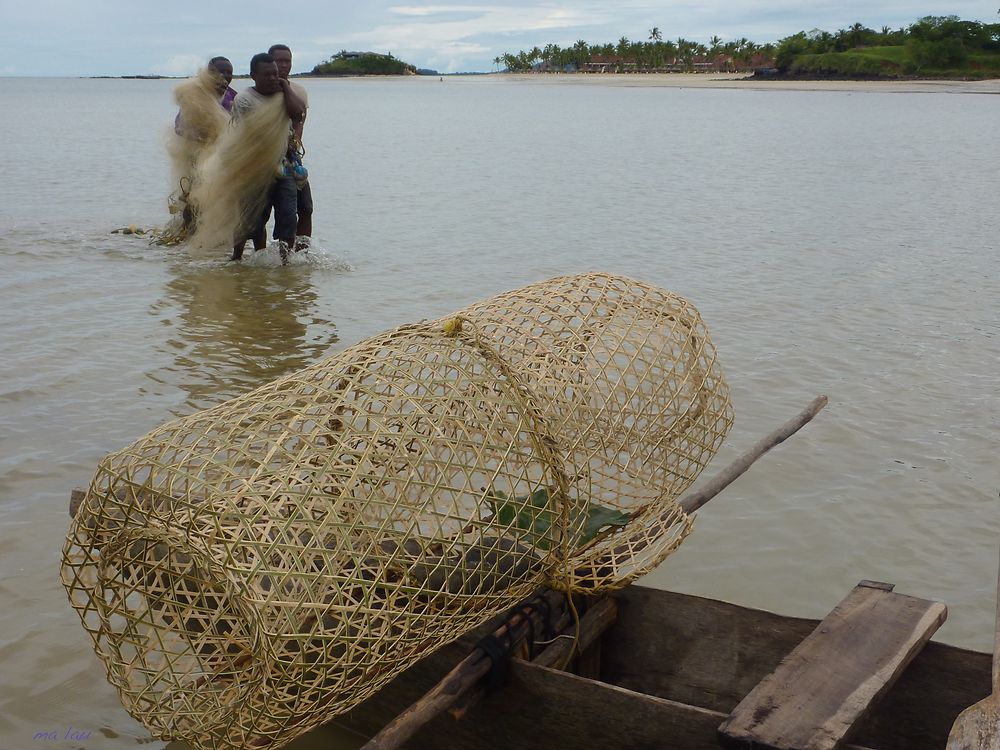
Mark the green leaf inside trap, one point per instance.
(530, 514)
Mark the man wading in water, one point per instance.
(197, 127)
(282, 195)
(303, 231)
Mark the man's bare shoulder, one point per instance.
(300, 91)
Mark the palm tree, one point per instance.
(669, 51)
(655, 35)
(624, 52)
(857, 34)
(686, 51)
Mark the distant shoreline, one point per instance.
(743, 81)
(136, 78)
(681, 80)
(243, 77)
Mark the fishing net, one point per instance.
(232, 182)
(251, 570)
(199, 123)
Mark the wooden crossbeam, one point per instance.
(818, 693)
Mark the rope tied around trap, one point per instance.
(466, 331)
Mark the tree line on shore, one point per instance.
(933, 45)
(628, 55)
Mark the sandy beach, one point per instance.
(740, 81)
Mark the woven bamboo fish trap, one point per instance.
(251, 570)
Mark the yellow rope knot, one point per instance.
(452, 326)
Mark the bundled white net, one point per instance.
(253, 569)
(200, 122)
(232, 181)
(221, 169)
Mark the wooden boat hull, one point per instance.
(669, 672)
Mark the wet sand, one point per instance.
(740, 81)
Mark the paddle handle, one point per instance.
(996, 645)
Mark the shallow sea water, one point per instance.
(835, 242)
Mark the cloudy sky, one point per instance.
(125, 37)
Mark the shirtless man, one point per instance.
(283, 59)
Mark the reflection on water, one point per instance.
(238, 327)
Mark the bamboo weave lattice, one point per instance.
(249, 571)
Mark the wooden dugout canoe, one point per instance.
(673, 669)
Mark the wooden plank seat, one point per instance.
(821, 690)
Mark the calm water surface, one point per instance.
(835, 242)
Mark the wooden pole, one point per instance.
(457, 682)
(598, 618)
(560, 621)
(593, 625)
(694, 500)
